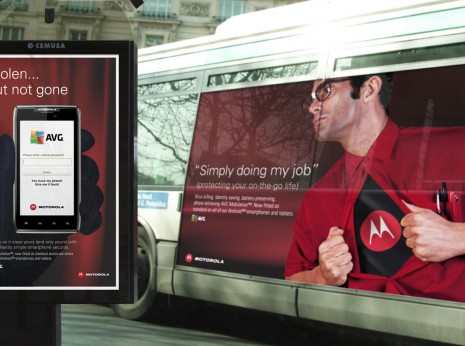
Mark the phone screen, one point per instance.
(47, 190)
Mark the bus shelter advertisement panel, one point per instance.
(59, 228)
(364, 189)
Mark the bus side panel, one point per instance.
(166, 252)
(241, 292)
(401, 316)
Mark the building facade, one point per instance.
(154, 22)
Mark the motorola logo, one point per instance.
(46, 45)
(380, 231)
(47, 109)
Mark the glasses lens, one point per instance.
(314, 96)
(323, 91)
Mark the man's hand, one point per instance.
(431, 237)
(335, 258)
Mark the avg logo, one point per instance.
(37, 137)
(197, 218)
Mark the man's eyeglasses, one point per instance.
(324, 90)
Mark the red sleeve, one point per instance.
(321, 209)
(303, 253)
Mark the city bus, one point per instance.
(227, 152)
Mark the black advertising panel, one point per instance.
(271, 186)
(67, 212)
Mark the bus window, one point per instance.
(165, 127)
(166, 87)
(404, 56)
(293, 70)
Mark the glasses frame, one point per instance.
(326, 87)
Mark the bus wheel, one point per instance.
(146, 306)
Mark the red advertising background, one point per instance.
(90, 83)
(251, 162)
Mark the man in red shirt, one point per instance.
(372, 221)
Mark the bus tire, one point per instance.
(146, 307)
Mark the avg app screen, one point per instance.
(46, 168)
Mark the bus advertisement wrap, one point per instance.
(85, 256)
(280, 179)
(246, 168)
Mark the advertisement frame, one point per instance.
(123, 84)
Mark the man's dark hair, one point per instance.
(386, 87)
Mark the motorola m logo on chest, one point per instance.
(380, 231)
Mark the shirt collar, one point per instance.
(384, 145)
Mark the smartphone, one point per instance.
(47, 188)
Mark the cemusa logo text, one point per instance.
(46, 45)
